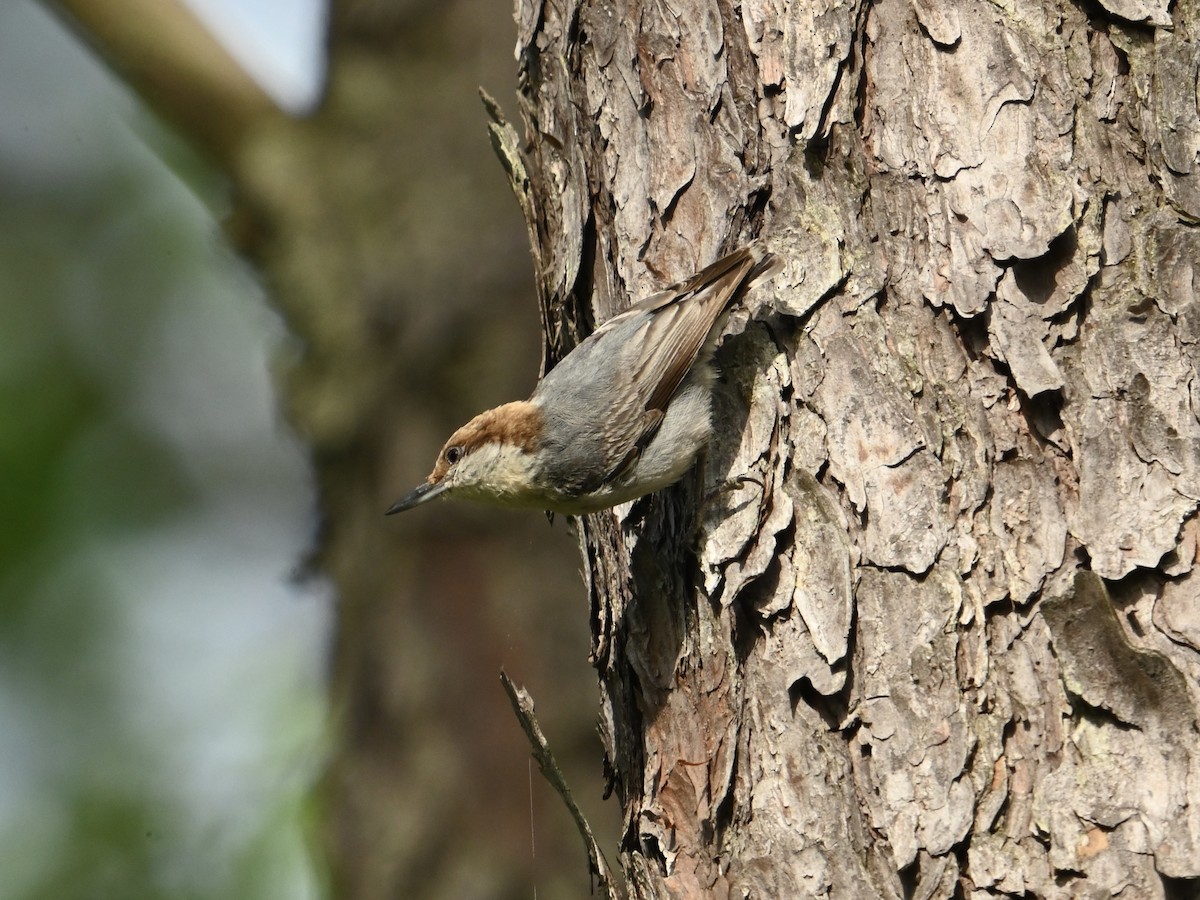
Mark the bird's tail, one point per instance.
(766, 265)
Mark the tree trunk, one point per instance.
(928, 623)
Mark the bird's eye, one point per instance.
(453, 454)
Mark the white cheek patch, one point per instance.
(477, 465)
(494, 472)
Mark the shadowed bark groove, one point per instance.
(944, 640)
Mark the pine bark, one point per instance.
(928, 622)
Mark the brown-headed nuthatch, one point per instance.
(622, 415)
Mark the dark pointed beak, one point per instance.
(421, 494)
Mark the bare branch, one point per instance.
(522, 705)
(175, 63)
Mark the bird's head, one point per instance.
(489, 460)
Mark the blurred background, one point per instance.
(161, 670)
(165, 655)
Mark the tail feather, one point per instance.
(766, 265)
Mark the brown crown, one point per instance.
(518, 423)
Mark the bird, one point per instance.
(622, 415)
